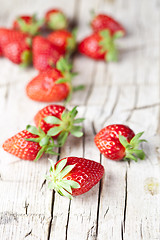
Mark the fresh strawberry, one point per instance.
(28, 24)
(16, 46)
(102, 21)
(59, 122)
(100, 46)
(52, 85)
(64, 40)
(119, 142)
(29, 144)
(55, 19)
(45, 54)
(73, 176)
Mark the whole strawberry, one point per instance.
(16, 46)
(29, 144)
(52, 85)
(100, 46)
(55, 19)
(45, 54)
(103, 21)
(59, 122)
(118, 142)
(73, 176)
(28, 24)
(64, 40)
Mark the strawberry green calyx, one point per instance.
(26, 58)
(67, 125)
(46, 142)
(66, 69)
(71, 42)
(57, 21)
(30, 28)
(58, 182)
(132, 151)
(108, 44)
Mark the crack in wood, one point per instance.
(52, 203)
(26, 207)
(28, 234)
(106, 212)
(93, 128)
(143, 107)
(125, 202)
(89, 233)
(66, 237)
(135, 104)
(98, 205)
(141, 230)
(44, 182)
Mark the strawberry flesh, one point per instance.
(44, 88)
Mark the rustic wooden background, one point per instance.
(125, 205)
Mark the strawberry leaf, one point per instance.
(32, 129)
(52, 120)
(54, 131)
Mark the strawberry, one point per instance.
(45, 54)
(64, 40)
(118, 142)
(28, 24)
(29, 144)
(55, 19)
(102, 21)
(73, 176)
(59, 122)
(53, 84)
(100, 46)
(16, 46)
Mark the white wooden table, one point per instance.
(126, 204)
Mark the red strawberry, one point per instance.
(45, 54)
(63, 40)
(16, 46)
(29, 145)
(73, 176)
(102, 21)
(118, 142)
(59, 122)
(55, 19)
(100, 45)
(52, 85)
(28, 24)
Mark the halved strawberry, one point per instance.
(52, 85)
(118, 142)
(28, 24)
(29, 144)
(45, 54)
(55, 19)
(103, 21)
(57, 121)
(73, 176)
(100, 45)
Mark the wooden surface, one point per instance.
(126, 203)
